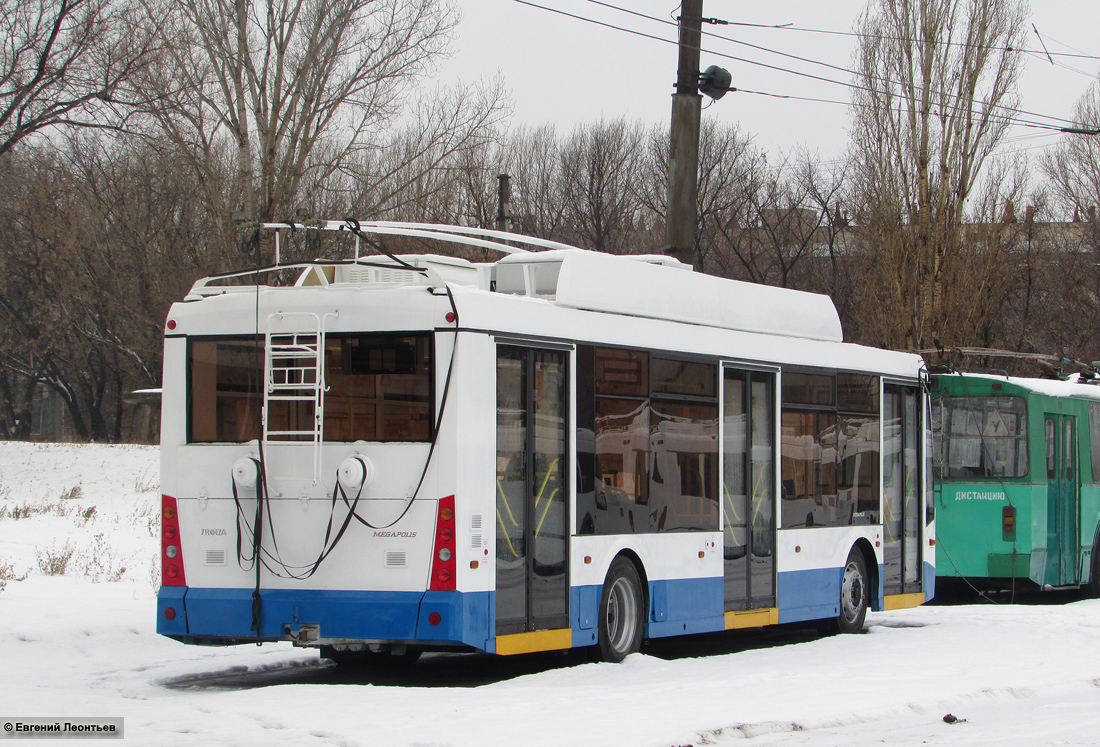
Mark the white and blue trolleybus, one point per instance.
(562, 448)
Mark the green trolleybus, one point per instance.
(1017, 466)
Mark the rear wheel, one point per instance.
(854, 594)
(621, 610)
(1094, 574)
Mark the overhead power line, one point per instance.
(1005, 117)
(858, 35)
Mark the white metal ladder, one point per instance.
(294, 374)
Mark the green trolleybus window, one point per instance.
(981, 437)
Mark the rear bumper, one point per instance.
(224, 616)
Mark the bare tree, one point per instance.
(774, 236)
(535, 167)
(598, 171)
(1073, 167)
(99, 238)
(934, 91)
(290, 95)
(68, 62)
(727, 161)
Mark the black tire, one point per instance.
(1093, 586)
(622, 612)
(855, 594)
(381, 661)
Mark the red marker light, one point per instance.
(171, 324)
(434, 618)
(450, 317)
(169, 613)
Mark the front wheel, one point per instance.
(621, 610)
(854, 594)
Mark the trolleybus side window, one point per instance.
(830, 449)
(982, 437)
(1094, 439)
(379, 389)
(647, 429)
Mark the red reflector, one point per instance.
(434, 618)
(170, 546)
(171, 324)
(450, 317)
(169, 613)
(444, 564)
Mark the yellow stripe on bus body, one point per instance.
(752, 618)
(902, 601)
(539, 640)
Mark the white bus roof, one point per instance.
(646, 286)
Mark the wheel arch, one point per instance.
(871, 563)
(1093, 584)
(639, 566)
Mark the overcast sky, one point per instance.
(566, 71)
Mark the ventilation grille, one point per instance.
(381, 276)
(215, 557)
(395, 558)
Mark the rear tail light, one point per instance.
(443, 552)
(1008, 522)
(171, 557)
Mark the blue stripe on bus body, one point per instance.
(676, 607)
(171, 597)
(584, 601)
(685, 606)
(815, 593)
(356, 615)
(929, 584)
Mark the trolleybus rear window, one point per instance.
(378, 389)
(980, 436)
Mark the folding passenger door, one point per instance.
(1062, 499)
(532, 588)
(748, 488)
(902, 518)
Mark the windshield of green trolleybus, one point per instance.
(377, 387)
(980, 437)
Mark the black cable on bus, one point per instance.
(262, 496)
(438, 424)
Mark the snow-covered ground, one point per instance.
(84, 644)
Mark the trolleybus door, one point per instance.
(532, 587)
(902, 516)
(1062, 508)
(748, 488)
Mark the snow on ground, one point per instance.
(84, 644)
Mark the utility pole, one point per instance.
(504, 197)
(683, 156)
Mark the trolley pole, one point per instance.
(683, 156)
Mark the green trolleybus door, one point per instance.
(1062, 507)
(748, 488)
(532, 589)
